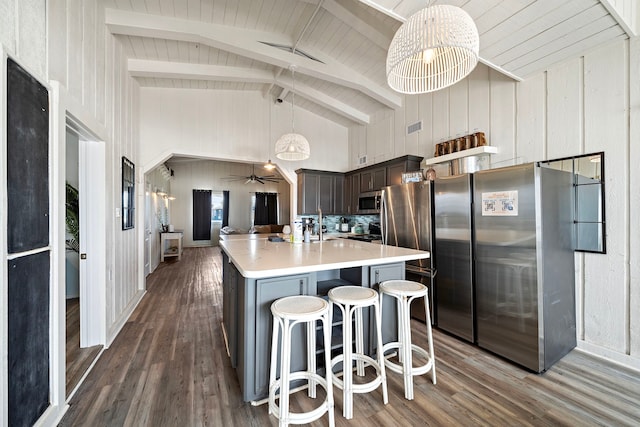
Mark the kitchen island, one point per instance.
(256, 272)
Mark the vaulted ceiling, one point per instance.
(338, 47)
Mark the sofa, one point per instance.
(256, 229)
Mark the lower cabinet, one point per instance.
(255, 349)
(248, 320)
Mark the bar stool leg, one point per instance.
(347, 351)
(284, 374)
(380, 353)
(274, 357)
(326, 329)
(406, 348)
(400, 329)
(430, 337)
(359, 341)
(311, 357)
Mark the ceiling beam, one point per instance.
(246, 43)
(190, 71)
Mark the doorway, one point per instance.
(85, 265)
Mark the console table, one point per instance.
(169, 236)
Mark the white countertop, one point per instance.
(258, 258)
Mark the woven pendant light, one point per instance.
(437, 47)
(292, 146)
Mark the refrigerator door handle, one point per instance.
(383, 223)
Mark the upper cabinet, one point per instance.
(320, 189)
(337, 193)
(373, 179)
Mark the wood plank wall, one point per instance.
(587, 104)
(65, 41)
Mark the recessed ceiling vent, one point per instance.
(414, 127)
(289, 49)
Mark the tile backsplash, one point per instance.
(331, 220)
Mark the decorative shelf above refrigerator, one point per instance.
(477, 151)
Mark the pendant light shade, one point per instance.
(437, 47)
(292, 146)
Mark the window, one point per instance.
(589, 212)
(217, 206)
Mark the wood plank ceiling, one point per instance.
(221, 44)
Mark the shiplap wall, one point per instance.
(232, 125)
(90, 64)
(65, 41)
(211, 175)
(588, 104)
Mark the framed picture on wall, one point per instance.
(128, 193)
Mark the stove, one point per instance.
(366, 237)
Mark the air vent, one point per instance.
(289, 49)
(362, 160)
(414, 127)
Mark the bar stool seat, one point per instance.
(350, 300)
(405, 291)
(288, 312)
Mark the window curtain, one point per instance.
(266, 209)
(201, 214)
(225, 208)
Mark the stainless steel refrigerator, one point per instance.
(406, 220)
(454, 283)
(525, 293)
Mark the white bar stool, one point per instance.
(288, 312)
(405, 291)
(351, 300)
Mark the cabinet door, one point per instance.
(325, 193)
(267, 291)
(378, 179)
(366, 181)
(355, 193)
(338, 196)
(394, 173)
(346, 195)
(308, 185)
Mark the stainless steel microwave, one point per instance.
(369, 202)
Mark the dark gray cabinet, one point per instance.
(373, 179)
(320, 189)
(230, 307)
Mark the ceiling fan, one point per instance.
(253, 178)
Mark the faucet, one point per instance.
(319, 224)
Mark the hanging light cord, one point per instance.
(293, 98)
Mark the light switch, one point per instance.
(117, 212)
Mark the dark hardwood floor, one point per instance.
(169, 367)
(78, 359)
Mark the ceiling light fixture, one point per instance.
(292, 146)
(435, 48)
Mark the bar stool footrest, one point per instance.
(415, 370)
(305, 417)
(361, 387)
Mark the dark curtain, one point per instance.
(201, 214)
(266, 209)
(225, 208)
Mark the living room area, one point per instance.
(169, 199)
